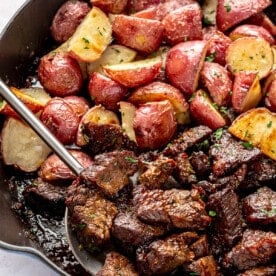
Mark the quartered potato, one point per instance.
(250, 54)
(91, 37)
(257, 126)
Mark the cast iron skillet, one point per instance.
(23, 39)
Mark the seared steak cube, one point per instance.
(228, 153)
(201, 247)
(116, 264)
(227, 219)
(111, 171)
(260, 207)
(163, 256)
(256, 248)
(200, 163)
(260, 271)
(129, 229)
(181, 208)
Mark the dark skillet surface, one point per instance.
(24, 39)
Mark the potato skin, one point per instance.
(79, 104)
(154, 124)
(106, 91)
(270, 99)
(60, 74)
(110, 6)
(67, 18)
(61, 120)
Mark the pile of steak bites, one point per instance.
(203, 205)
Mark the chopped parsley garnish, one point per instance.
(215, 105)
(269, 125)
(85, 40)
(223, 109)
(207, 21)
(227, 7)
(218, 133)
(211, 57)
(82, 225)
(191, 98)
(247, 145)
(212, 213)
(131, 159)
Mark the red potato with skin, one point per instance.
(139, 5)
(203, 111)
(183, 24)
(149, 13)
(154, 124)
(110, 6)
(60, 74)
(183, 65)
(218, 44)
(252, 30)
(79, 104)
(141, 34)
(246, 91)
(136, 73)
(218, 82)
(67, 18)
(106, 91)
(59, 117)
(270, 99)
(232, 12)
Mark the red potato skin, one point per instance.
(110, 6)
(154, 124)
(203, 111)
(141, 34)
(79, 104)
(183, 65)
(218, 82)
(149, 13)
(218, 43)
(242, 83)
(134, 6)
(60, 74)
(105, 91)
(270, 99)
(231, 12)
(183, 24)
(252, 30)
(67, 18)
(53, 168)
(60, 119)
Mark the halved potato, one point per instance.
(91, 37)
(257, 126)
(251, 54)
(21, 146)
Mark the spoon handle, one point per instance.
(40, 129)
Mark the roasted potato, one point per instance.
(247, 91)
(141, 34)
(79, 104)
(60, 74)
(154, 124)
(139, 5)
(270, 98)
(183, 65)
(183, 24)
(105, 91)
(26, 153)
(110, 6)
(67, 19)
(204, 111)
(149, 13)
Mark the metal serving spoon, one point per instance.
(85, 259)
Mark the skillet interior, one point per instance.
(25, 38)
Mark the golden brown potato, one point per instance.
(110, 6)
(257, 126)
(136, 73)
(246, 91)
(141, 34)
(230, 13)
(154, 124)
(183, 65)
(204, 112)
(159, 91)
(250, 54)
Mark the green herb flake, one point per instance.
(218, 133)
(207, 21)
(247, 145)
(227, 7)
(82, 226)
(131, 159)
(212, 213)
(192, 97)
(116, 50)
(270, 213)
(85, 40)
(99, 31)
(223, 109)
(215, 105)
(193, 274)
(269, 125)
(211, 57)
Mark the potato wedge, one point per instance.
(91, 37)
(160, 91)
(250, 54)
(26, 153)
(136, 73)
(114, 54)
(257, 126)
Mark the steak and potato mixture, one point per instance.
(170, 107)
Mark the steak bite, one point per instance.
(256, 248)
(228, 153)
(200, 163)
(163, 256)
(158, 173)
(117, 264)
(201, 247)
(110, 171)
(227, 221)
(180, 208)
(127, 228)
(187, 139)
(260, 207)
(260, 271)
